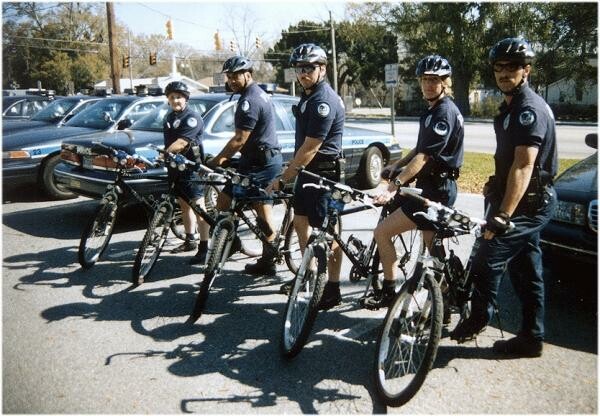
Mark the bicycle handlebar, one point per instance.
(121, 157)
(344, 192)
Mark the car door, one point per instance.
(285, 124)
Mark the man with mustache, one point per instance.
(520, 192)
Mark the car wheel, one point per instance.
(48, 182)
(370, 168)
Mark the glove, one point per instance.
(499, 223)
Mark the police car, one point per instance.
(30, 156)
(366, 151)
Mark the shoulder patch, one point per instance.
(527, 118)
(245, 105)
(192, 122)
(441, 128)
(323, 109)
(176, 123)
(428, 120)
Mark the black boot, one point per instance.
(520, 346)
(382, 299)
(200, 256)
(262, 267)
(190, 244)
(331, 296)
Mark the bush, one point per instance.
(579, 112)
(487, 108)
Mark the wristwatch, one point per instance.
(398, 182)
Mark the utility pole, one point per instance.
(115, 69)
(130, 63)
(335, 75)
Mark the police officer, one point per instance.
(521, 192)
(434, 162)
(183, 129)
(318, 147)
(255, 138)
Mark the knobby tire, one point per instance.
(408, 341)
(97, 234)
(151, 246)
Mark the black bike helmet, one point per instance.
(512, 50)
(237, 64)
(308, 53)
(177, 86)
(434, 65)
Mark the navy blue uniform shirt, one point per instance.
(321, 115)
(526, 121)
(255, 113)
(441, 136)
(187, 125)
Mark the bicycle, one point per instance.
(410, 334)
(98, 231)
(284, 247)
(307, 288)
(164, 218)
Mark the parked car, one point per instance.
(58, 111)
(23, 106)
(30, 156)
(87, 174)
(571, 236)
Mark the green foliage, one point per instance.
(486, 108)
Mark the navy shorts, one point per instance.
(261, 176)
(186, 184)
(311, 202)
(439, 190)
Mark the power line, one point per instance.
(52, 47)
(175, 18)
(60, 40)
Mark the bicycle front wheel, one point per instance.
(408, 247)
(151, 246)
(97, 234)
(408, 341)
(302, 306)
(210, 272)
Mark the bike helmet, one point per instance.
(308, 53)
(177, 86)
(237, 64)
(512, 50)
(434, 65)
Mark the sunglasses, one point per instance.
(510, 67)
(305, 69)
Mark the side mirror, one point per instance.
(123, 124)
(592, 140)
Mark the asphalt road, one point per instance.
(479, 136)
(78, 341)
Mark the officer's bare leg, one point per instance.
(265, 213)
(396, 223)
(188, 217)
(203, 227)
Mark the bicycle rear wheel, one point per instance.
(151, 246)
(97, 234)
(210, 272)
(408, 341)
(302, 306)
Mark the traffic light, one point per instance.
(169, 26)
(152, 59)
(218, 45)
(258, 43)
(126, 61)
(232, 46)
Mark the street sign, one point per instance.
(218, 78)
(391, 75)
(289, 75)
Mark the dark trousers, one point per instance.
(518, 253)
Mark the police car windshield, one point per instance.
(154, 120)
(101, 115)
(54, 111)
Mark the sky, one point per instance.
(195, 23)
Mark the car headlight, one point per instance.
(570, 212)
(16, 154)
